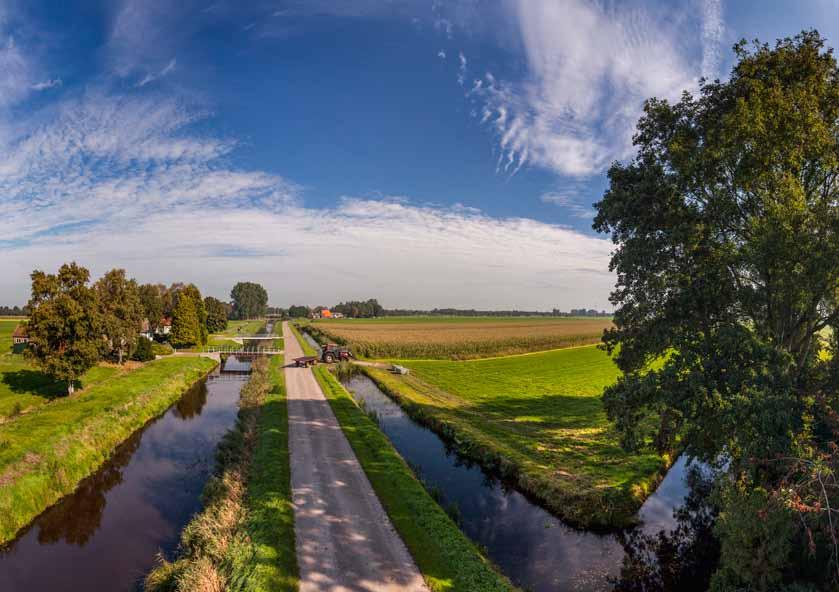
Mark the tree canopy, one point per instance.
(250, 300)
(360, 309)
(186, 327)
(64, 328)
(121, 312)
(216, 314)
(726, 226)
(298, 311)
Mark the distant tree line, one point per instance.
(471, 312)
(14, 311)
(364, 309)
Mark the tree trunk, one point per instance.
(120, 356)
(71, 387)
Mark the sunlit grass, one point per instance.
(543, 413)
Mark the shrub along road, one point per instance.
(344, 538)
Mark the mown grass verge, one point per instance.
(308, 350)
(44, 454)
(448, 560)
(243, 539)
(537, 421)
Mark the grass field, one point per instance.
(235, 328)
(448, 560)
(243, 538)
(7, 326)
(459, 337)
(539, 419)
(44, 454)
(23, 388)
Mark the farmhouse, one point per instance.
(20, 335)
(165, 326)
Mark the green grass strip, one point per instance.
(271, 514)
(44, 454)
(448, 560)
(308, 350)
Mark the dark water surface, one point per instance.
(536, 550)
(105, 536)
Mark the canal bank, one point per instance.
(106, 534)
(536, 550)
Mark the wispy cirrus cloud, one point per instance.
(590, 66)
(127, 181)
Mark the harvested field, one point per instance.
(460, 337)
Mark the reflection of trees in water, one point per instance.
(192, 401)
(77, 517)
(683, 559)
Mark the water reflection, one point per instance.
(78, 516)
(105, 536)
(192, 402)
(532, 547)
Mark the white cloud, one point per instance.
(124, 181)
(169, 68)
(47, 84)
(568, 202)
(16, 70)
(461, 71)
(590, 67)
(712, 32)
(441, 54)
(405, 255)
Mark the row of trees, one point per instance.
(14, 311)
(73, 324)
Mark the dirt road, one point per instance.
(345, 540)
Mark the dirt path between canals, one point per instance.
(345, 540)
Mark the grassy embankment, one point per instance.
(44, 454)
(243, 539)
(448, 560)
(458, 337)
(537, 419)
(234, 329)
(23, 388)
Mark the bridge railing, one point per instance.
(228, 349)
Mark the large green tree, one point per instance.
(121, 312)
(216, 314)
(186, 327)
(192, 292)
(726, 227)
(250, 300)
(151, 299)
(64, 328)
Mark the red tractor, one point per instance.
(333, 353)
(329, 354)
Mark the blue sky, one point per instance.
(427, 153)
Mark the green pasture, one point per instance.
(542, 414)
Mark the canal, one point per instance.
(106, 535)
(536, 550)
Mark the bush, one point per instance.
(162, 349)
(144, 351)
